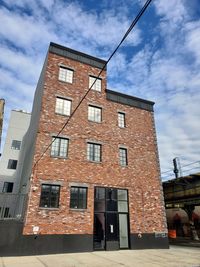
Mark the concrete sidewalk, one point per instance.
(175, 256)
(184, 241)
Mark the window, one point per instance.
(12, 164)
(59, 147)
(97, 85)
(93, 152)
(65, 74)
(94, 114)
(6, 213)
(7, 187)
(78, 197)
(123, 156)
(16, 144)
(50, 196)
(121, 120)
(63, 106)
(99, 202)
(122, 197)
(111, 199)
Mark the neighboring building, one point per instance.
(182, 202)
(98, 185)
(11, 162)
(2, 103)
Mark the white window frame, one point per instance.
(57, 147)
(97, 85)
(94, 113)
(121, 119)
(63, 106)
(94, 152)
(65, 74)
(123, 156)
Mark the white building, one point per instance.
(11, 161)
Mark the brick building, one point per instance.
(98, 185)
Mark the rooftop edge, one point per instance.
(76, 55)
(129, 100)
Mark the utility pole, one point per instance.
(176, 170)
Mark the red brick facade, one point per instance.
(141, 177)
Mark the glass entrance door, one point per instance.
(112, 231)
(110, 219)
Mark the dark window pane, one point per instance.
(16, 144)
(45, 196)
(99, 231)
(73, 204)
(74, 198)
(99, 203)
(54, 196)
(6, 213)
(12, 164)
(111, 205)
(78, 197)
(111, 202)
(82, 204)
(7, 187)
(111, 194)
(50, 196)
(99, 193)
(74, 193)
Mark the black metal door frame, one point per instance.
(106, 221)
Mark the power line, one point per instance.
(167, 171)
(192, 169)
(103, 68)
(192, 163)
(170, 175)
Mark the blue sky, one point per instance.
(159, 61)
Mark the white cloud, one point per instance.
(25, 31)
(104, 29)
(15, 91)
(192, 40)
(26, 66)
(174, 10)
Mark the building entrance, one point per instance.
(111, 220)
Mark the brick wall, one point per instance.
(140, 177)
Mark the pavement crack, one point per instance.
(41, 261)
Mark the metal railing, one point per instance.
(12, 206)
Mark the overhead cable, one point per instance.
(103, 68)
